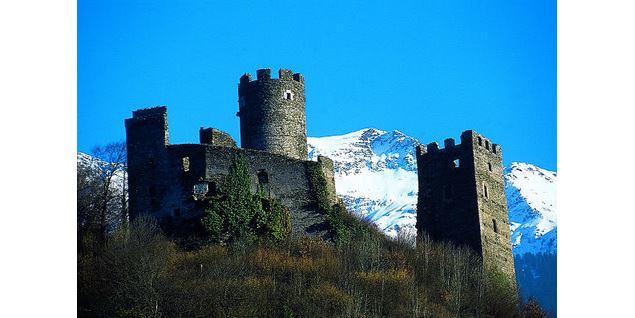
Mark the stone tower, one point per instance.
(462, 198)
(146, 139)
(272, 113)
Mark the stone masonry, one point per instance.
(462, 198)
(170, 182)
(272, 113)
(461, 190)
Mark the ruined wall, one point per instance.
(196, 171)
(272, 113)
(215, 137)
(171, 182)
(462, 197)
(281, 177)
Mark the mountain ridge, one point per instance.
(375, 173)
(376, 177)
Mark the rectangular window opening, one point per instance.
(288, 95)
(263, 176)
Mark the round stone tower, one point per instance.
(272, 113)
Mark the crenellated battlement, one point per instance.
(468, 137)
(264, 74)
(476, 139)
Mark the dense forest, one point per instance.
(246, 263)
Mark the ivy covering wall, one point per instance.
(237, 213)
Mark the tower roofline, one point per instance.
(284, 74)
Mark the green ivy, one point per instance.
(344, 226)
(236, 213)
(318, 185)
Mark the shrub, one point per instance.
(533, 310)
(237, 214)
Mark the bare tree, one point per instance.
(102, 195)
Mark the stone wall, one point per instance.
(147, 137)
(272, 113)
(462, 197)
(171, 182)
(215, 137)
(492, 203)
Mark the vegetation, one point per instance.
(101, 204)
(141, 273)
(237, 214)
(344, 226)
(254, 268)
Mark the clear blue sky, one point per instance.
(430, 69)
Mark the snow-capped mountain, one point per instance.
(531, 201)
(376, 176)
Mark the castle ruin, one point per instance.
(462, 198)
(461, 188)
(171, 182)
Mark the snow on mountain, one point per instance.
(97, 168)
(92, 175)
(376, 176)
(531, 201)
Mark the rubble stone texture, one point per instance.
(171, 182)
(462, 198)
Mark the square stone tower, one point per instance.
(462, 198)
